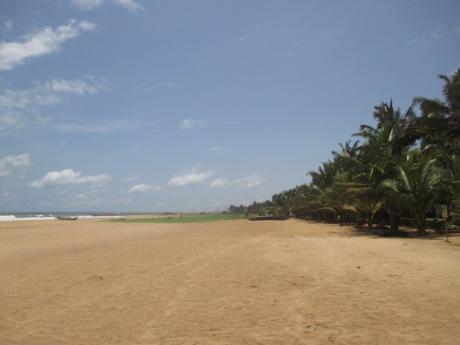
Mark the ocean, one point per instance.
(21, 216)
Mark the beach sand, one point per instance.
(232, 282)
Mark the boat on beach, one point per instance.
(67, 217)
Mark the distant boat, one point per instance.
(67, 217)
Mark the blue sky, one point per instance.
(131, 105)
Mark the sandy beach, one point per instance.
(230, 282)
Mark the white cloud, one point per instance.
(45, 41)
(437, 34)
(434, 36)
(26, 99)
(130, 5)
(19, 107)
(76, 86)
(250, 181)
(88, 4)
(10, 120)
(191, 123)
(190, 177)
(140, 188)
(8, 164)
(69, 176)
(221, 182)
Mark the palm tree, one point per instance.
(324, 177)
(327, 201)
(380, 156)
(440, 120)
(415, 186)
(380, 176)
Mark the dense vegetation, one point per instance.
(185, 218)
(405, 170)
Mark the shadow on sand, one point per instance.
(403, 232)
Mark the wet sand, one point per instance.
(232, 282)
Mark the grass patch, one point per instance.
(187, 218)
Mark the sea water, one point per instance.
(21, 216)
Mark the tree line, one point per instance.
(403, 170)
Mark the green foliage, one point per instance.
(415, 185)
(404, 167)
(187, 218)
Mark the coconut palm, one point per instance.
(380, 176)
(327, 202)
(415, 186)
(452, 186)
(324, 177)
(440, 120)
(380, 155)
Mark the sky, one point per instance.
(136, 105)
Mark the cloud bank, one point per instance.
(18, 107)
(76, 86)
(69, 177)
(141, 188)
(8, 164)
(130, 5)
(191, 123)
(250, 181)
(190, 177)
(42, 42)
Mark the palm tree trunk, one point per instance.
(394, 221)
(420, 223)
(370, 222)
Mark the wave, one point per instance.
(13, 218)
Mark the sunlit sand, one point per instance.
(229, 282)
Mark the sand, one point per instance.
(232, 282)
